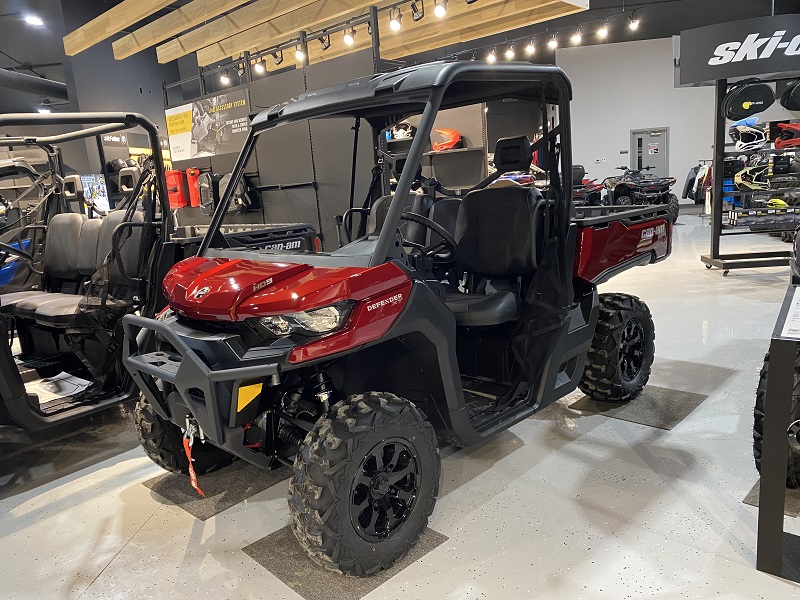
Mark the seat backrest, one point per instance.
(87, 246)
(129, 240)
(414, 232)
(494, 230)
(578, 173)
(61, 246)
(444, 212)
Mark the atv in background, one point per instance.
(636, 188)
(447, 321)
(587, 192)
(75, 277)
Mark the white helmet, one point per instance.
(747, 136)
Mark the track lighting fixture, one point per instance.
(350, 36)
(418, 10)
(577, 37)
(492, 56)
(259, 67)
(278, 56)
(530, 48)
(553, 42)
(602, 33)
(325, 42)
(510, 52)
(633, 21)
(395, 19)
(299, 55)
(474, 55)
(440, 8)
(224, 77)
(240, 70)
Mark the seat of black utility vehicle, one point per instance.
(497, 240)
(413, 232)
(75, 248)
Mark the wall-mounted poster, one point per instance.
(215, 125)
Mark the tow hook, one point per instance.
(189, 434)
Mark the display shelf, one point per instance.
(456, 150)
(763, 192)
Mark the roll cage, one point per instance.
(384, 99)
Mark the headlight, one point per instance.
(313, 322)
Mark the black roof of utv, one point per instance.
(385, 98)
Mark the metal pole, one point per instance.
(248, 73)
(376, 38)
(304, 48)
(356, 129)
(718, 168)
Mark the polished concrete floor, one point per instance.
(564, 505)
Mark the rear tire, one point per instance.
(162, 441)
(674, 207)
(365, 482)
(793, 466)
(623, 348)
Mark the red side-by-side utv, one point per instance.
(453, 315)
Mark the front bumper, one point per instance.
(200, 367)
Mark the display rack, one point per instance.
(720, 228)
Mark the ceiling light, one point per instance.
(577, 37)
(224, 77)
(603, 31)
(278, 56)
(325, 42)
(45, 107)
(350, 36)
(260, 67)
(33, 20)
(553, 42)
(633, 22)
(299, 54)
(418, 10)
(492, 56)
(440, 8)
(395, 19)
(510, 52)
(530, 48)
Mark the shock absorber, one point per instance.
(323, 389)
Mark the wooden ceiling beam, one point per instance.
(171, 25)
(114, 20)
(219, 29)
(277, 30)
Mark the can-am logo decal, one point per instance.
(391, 301)
(200, 292)
(651, 232)
(261, 285)
(755, 47)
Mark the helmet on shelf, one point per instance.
(752, 178)
(403, 131)
(747, 137)
(116, 165)
(452, 140)
(789, 137)
(776, 203)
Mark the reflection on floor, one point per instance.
(569, 504)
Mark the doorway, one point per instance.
(650, 148)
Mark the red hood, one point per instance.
(230, 290)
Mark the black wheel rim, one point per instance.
(385, 487)
(631, 354)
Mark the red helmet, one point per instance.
(790, 136)
(452, 139)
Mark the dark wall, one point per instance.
(98, 82)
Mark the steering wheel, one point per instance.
(448, 242)
(6, 251)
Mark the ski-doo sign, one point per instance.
(753, 47)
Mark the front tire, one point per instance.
(162, 441)
(623, 201)
(623, 348)
(365, 482)
(793, 466)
